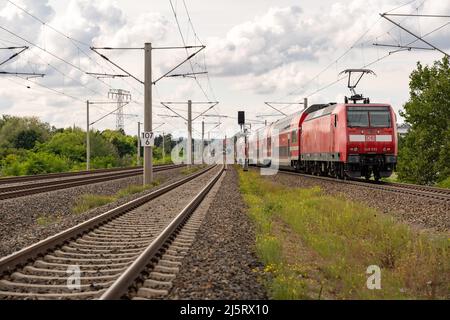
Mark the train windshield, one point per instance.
(374, 117)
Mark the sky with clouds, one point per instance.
(256, 51)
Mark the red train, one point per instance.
(340, 140)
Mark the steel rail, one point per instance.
(445, 197)
(11, 180)
(121, 285)
(15, 260)
(17, 191)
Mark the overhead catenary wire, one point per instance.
(48, 88)
(74, 42)
(414, 35)
(50, 53)
(184, 43)
(204, 55)
(366, 32)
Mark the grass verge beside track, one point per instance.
(316, 246)
(90, 201)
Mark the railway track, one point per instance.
(415, 187)
(49, 176)
(437, 194)
(114, 249)
(20, 190)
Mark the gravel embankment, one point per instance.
(19, 225)
(420, 212)
(222, 262)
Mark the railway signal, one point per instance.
(241, 122)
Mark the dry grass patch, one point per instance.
(90, 201)
(192, 169)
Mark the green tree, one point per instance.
(424, 156)
(41, 162)
(22, 133)
(26, 139)
(125, 145)
(71, 144)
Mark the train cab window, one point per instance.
(374, 117)
(335, 120)
(380, 119)
(357, 118)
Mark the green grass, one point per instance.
(45, 221)
(192, 169)
(163, 161)
(311, 242)
(134, 189)
(90, 201)
(392, 178)
(444, 183)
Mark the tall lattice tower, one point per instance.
(122, 96)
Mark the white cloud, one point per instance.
(274, 51)
(15, 19)
(287, 77)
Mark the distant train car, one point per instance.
(253, 148)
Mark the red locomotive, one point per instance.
(340, 140)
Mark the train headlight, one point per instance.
(353, 159)
(391, 159)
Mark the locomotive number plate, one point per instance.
(371, 138)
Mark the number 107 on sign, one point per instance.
(147, 139)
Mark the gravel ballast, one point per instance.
(19, 225)
(222, 262)
(419, 212)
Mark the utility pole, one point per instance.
(148, 127)
(88, 128)
(163, 146)
(225, 152)
(202, 149)
(148, 83)
(139, 145)
(88, 140)
(190, 156)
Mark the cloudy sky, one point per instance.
(257, 51)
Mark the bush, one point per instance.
(12, 166)
(33, 163)
(42, 162)
(445, 183)
(104, 162)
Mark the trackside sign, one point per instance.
(147, 139)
